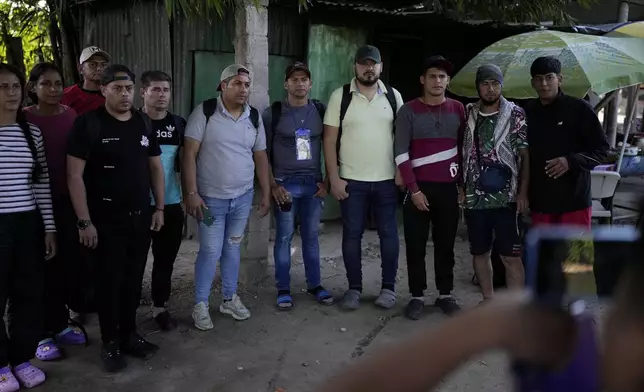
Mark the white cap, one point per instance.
(90, 51)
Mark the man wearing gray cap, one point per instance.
(87, 96)
(496, 173)
(224, 146)
(359, 156)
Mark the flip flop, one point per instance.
(284, 302)
(323, 297)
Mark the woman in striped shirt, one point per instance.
(27, 235)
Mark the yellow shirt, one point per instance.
(367, 143)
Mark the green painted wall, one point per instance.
(208, 68)
(330, 59)
(276, 67)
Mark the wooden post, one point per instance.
(610, 116)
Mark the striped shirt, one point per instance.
(18, 193)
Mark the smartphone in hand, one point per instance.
(208, 219)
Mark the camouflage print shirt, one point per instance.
(517, 139)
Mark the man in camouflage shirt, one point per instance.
(496, 173)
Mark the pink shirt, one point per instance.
(54, 131)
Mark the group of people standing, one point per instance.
(87, 183)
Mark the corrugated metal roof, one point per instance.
(137, 36)
(389, 7)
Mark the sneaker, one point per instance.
(414, 309)
(447, 304)
(138, 347)
(235, 308)
(8, 382)
(165, 321)
(201, 316)
(112, 358)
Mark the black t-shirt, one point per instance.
(167, 134)
(117, 172)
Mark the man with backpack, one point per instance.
(294, 139)
(359, 156)
(113, 156)
(156, 91)
(224, 146)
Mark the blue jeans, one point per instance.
(221, 241)
(308, 209)
(382, 197)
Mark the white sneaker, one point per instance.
(235, 308)
(201, 316)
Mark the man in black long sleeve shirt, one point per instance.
(566, 141)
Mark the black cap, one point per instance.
(368, 52)
(297, 66)
(110, 74)
(545, 65)
(438, 62)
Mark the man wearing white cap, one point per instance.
(87, 96)
(224, 146)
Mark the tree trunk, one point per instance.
(15, 52)
(54, 35)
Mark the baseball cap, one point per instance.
(438, 62)
(368, 52)
(232, 71)
(297, 66)
(90, 51)
(111, 74)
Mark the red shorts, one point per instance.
(577, 218)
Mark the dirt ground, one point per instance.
(294, 351)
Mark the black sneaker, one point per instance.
(414, 309)
(140, 348)
(165, 321)
(448, 305)
(112, 358)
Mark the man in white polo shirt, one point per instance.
(359, 155)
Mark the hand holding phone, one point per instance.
(208, 219)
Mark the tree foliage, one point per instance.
(24, 22)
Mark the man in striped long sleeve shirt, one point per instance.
(427, 147)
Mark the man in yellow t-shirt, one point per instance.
(361, 170)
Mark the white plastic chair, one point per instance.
(602, 190)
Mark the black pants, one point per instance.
(22, 263)
(123, 243)
(59, 275)
(165, 246)
(443, 217)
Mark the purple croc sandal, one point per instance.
(48, 351)
(8, 382)
(71, 337)
(28, 375)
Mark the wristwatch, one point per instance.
(83, 224)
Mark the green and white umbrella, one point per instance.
(600, 64)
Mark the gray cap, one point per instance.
(368, 52)
(232, 71)
(489, 72)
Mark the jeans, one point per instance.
(22, 263)
(307, 209)
(122, 252)
(165, 247)
(442, 219)
(221, 241)
(383, 198)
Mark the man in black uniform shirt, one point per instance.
(113, 157)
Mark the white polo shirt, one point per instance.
(366, 146)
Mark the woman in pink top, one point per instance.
(45, 89)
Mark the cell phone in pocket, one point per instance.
(566, 267)
(208, 219)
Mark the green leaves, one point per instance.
(206, 8)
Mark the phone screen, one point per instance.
(576, 267)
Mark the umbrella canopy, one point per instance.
(600, 64)
(630, 29)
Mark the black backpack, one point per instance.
(210, 106)
(276, 113)
(346, 101)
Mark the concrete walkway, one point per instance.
(276, 351)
